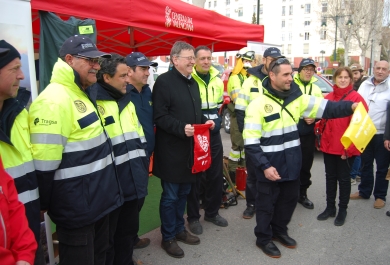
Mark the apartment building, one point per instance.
(295, 25)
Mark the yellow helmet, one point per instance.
(245, 54)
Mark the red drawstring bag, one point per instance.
(202, 154)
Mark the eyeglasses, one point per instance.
(249, 55)
(189, 58)
(308, 70)
(278, 62)
(91, 61)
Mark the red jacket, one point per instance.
(17, 241)
(335, 128)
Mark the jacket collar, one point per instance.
(11, 109)
(102, 94)
(299, 81)
(294, 88)
(256, 71)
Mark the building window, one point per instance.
(323, 34)
(283, 10)
(282, 37)
(283, 23)
(227, 2)
(290, 36)
(324, 7)
(240, 12)
(307, 8)
(306, 48)
(282, 49)
(215, 3)
(307, 35)
(288, 48)
(290, 26)
(210, 4)
(228, 12)
(255, 9)
(261, 9)
(290, 10)
(307, 23)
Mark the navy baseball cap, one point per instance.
(3, 51)
(83, 46)
(139, 59)
(272, 52)
(306, 62)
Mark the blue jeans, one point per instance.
(355, 169)
(375, 150)
(172, 206)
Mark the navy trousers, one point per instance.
(275, 205)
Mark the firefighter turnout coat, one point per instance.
(72, 153)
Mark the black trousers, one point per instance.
(307, 149)
(275, 205)
(212, 192)
(250, 188)
(337, 170)
(124, 233)
(86, 245)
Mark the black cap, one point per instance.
(306, 62)
(3, 51)
(10, 53)
(83, 46)
(272, 52)
(138, 59)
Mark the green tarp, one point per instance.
(53, 32)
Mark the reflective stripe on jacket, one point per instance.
(16, 151)
(211, 97)
(234, 85)
(312, 90)
(72, 153)
(271, 136)
(128, 140)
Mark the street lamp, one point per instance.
(335, 18)
(258, 12)
(323, 62)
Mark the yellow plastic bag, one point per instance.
(360, 131)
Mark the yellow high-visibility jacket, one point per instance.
(72, 153)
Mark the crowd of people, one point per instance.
(82, 150)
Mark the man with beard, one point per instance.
(358, 76)
(251, 89)
(273, 154)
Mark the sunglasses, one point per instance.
(91, 61)
(249, 55)
(278, 62)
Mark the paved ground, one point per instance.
(363, 239)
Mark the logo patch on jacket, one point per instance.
(268, 108)
(101, 110)
(80, 106)
(255, 82)
(44, 122)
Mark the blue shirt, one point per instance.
(144, 108)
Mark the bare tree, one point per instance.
(337, 18)
(366, 17)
